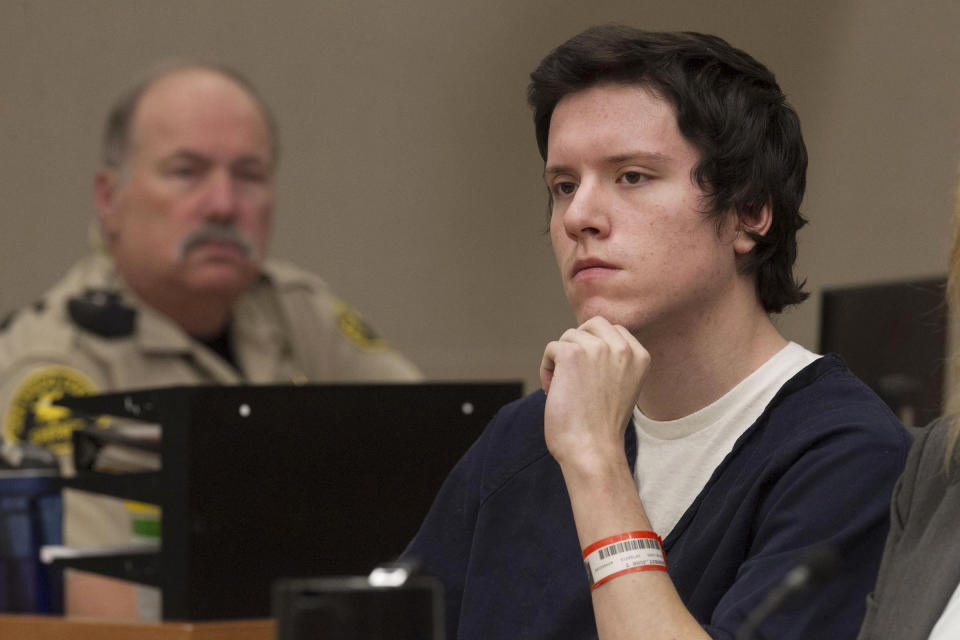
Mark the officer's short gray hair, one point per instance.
(117, 132)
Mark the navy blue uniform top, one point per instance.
(818, 466)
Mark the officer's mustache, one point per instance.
(215, 232)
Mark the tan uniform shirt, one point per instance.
(90, 333)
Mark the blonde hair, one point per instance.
(953, 299)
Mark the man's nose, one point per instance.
(587, 214)
(220, 196)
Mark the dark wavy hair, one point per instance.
(728, 106)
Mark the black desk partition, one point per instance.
(263, 482)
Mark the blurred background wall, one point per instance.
(410, 178)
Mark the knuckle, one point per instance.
(592, 322)
(577, 349)
(643, 356)
(622, 350)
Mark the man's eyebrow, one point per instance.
(194, 156)
(653, 157)
(647, 157)
(555, 169)
(252, 159)
(186, 154)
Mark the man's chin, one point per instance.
(222, 277)
(611, 313)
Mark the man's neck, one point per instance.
(691, 367)
(201, 315)
(201, 320)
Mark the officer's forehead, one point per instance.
(197, 98)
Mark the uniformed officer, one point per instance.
(181, 293)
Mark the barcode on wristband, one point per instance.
(628, 545)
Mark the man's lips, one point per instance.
(221, 244)
(591, 267)
(219, 250)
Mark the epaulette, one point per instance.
(7, 320)
(103, 313)
(39, 306)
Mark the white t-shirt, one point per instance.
(948, 625)
(675, 458)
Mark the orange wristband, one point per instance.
(621, 554)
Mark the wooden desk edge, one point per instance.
(32, 627)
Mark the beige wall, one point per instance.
(410, 178)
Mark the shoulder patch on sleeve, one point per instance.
(102, 313)
(353, 327)
(32, 414)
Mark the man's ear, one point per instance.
(757, 223)
(105, 190)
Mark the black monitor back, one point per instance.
(264, 482)
(893, 336)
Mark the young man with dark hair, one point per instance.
(684, 453)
